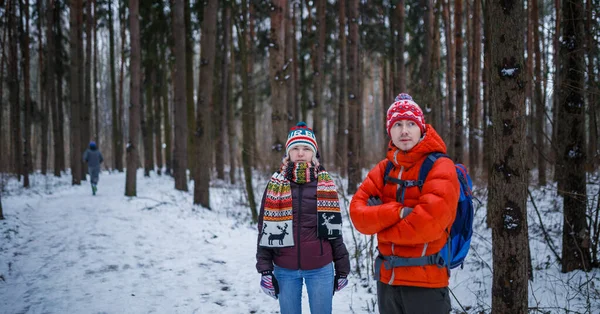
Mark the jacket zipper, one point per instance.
(299, 227)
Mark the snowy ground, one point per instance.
(63, 250)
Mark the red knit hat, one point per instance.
(404, 108)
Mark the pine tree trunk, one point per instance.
(59, 71)
(95, 103)
(247, 111)
(341, 148)
(290, 60)
(113, 92)
(192, 146)
(146, 108)
(319, 77)
(400, 68)
(571, 139)
(26, 158)
(134, 107)
(121, 102)
(475, 88)
(76, 70)
(508, 178)
(2, 126)
(203, 127)
(424, 92)
(540, 108)
(460, 96)
(224, 133)
(592, 95)
(450, 78)
(354, 106)
(85, 80)
(13, 90)
(278, 84)
(231, 121)
(43, 88)
(180, 152)
(168, 130)
(157, 115)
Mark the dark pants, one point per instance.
(412, 300)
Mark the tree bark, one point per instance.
(354, 106)
(459, 121)
(475, 89)
(319, 77)
(134, 107)
(247, 109)
(202, 131)
(95, 103)
(76, 70)
(399, 68)
(592, 95)
(192, 146)
(450, 78)
(13, 90)
(508, 178)
(87, 109)
(540, 108)
(116, 146)
(121, 103)
(180, 152)
(26, 158)
(59, 71)
(341, 137)
(224, 134)
(571, 139)
(278, 84)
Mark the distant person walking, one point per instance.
(93, 157)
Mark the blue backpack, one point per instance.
(454, 252)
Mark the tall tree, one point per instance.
(2, 103)
(399, 68)
(26, 159)
(180, 151)
(592, 55)
(319, 75)
(42, 89)
(51, 84)
(121, 101)
(354, 106)
(231, 107)
(224, 134)
(460, 97)
(571, 140)
(508, 176)
(13, 89)
(247, 106)
(540, 108)
(450, 78)
(341, 137)
(168, 130)
(116, 144)
(189, 89)
(59, 71)
(278, 83)
(87, 81)
(475, 88)
(203, 128)
(96, 104)
(134, 107)
(76, 70)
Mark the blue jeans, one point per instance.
(319, 285)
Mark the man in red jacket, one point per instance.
(410, 222)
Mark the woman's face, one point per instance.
(301, 153)
(405, 134)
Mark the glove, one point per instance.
(269, 284)
(339, 282)
(374, 201)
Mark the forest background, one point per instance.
(211, 87)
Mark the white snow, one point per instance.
(63, 250)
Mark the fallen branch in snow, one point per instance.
(546, 236)
(155, 206)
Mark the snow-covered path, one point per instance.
(72, 252)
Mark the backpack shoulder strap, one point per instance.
(388, 168)
(427, 165)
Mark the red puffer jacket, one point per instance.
(422, 232)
